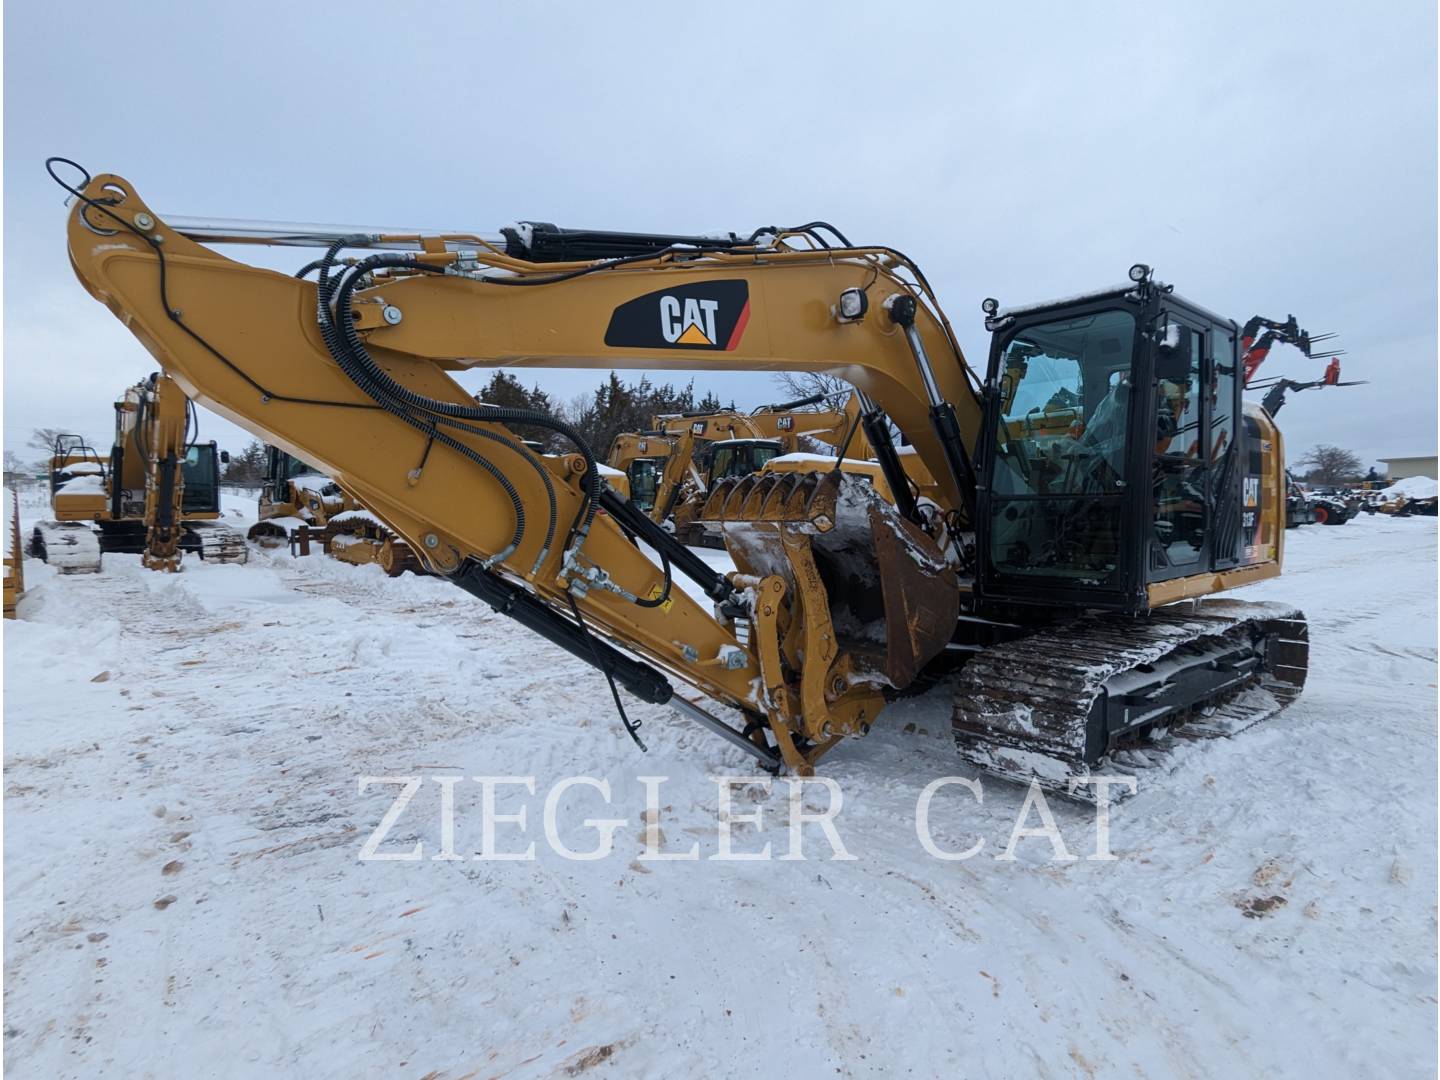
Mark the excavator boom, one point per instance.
(365, 396)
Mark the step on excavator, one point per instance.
(1061, 544)
(157, 493)
(301, 508)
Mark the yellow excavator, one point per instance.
(672, 465)
(1068, 561)
(157, 493)
(303, 508)
(640, 457)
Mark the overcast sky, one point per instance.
(1265, 158)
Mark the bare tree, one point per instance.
(43, 439)
(1331, 465)
(796, 385)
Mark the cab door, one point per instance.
(1180, 515)
(1229, 455)
(1196, 485)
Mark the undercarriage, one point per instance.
(1074, 700)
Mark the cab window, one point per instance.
(1058, 462)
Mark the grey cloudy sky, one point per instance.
(1268, 158)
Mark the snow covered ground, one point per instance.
(184, 894)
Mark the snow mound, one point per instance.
(1413, 487)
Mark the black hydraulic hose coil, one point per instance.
(346, 346)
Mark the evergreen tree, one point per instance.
(616, 406)
(506, 390)
(248, 466)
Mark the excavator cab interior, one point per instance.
(1076, 506)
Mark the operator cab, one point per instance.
(644, 475)
(200, 470)
(280, 469)
(1110, 458)
(735, 458)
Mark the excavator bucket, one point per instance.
(893, 600)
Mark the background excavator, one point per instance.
(157, 493)
(1054, 554)
(692, 451)
(301, 507)
(640, 457)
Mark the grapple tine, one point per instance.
(714, 506)
(735, 501)
(822, 507)
(891, 597)
(773, 508)
(797, 498)
(756, 489)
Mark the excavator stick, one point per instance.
(892, 599)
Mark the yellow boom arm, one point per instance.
(460, 488)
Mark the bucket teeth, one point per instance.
(779, 496)
(713, 508)
(803, 499)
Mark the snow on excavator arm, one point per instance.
(349, 372)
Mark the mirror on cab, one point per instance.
(224, 457)
(1172, 353)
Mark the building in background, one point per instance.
(1402, 468)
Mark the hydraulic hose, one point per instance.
(360, 374)
(345, 342)
(375, 390)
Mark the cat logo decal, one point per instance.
(702, 316)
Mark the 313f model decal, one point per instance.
(706, 315)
